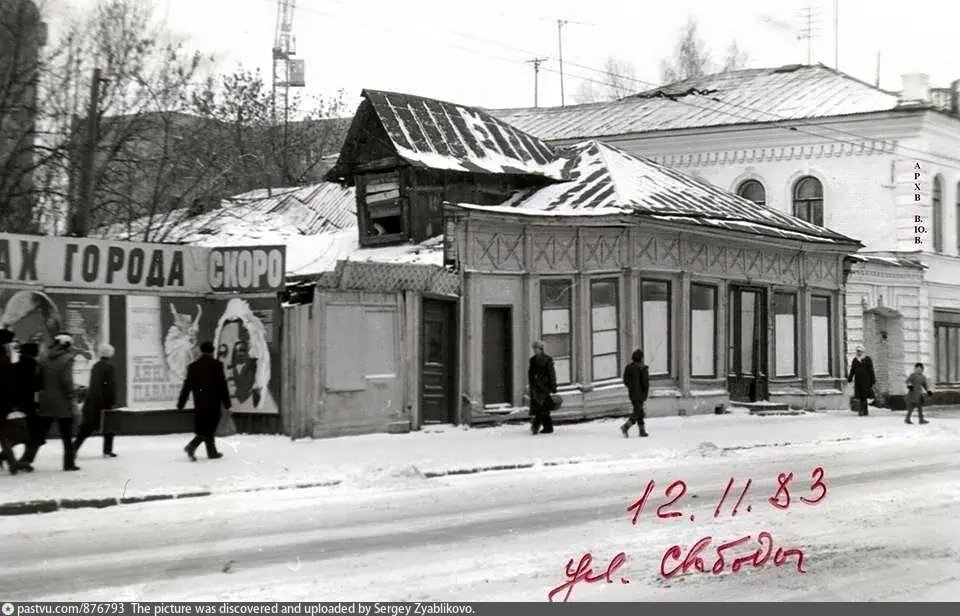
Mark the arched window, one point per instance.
(937, 203)
(808, 200)
(754, 191)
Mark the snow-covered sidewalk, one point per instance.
(156, 465)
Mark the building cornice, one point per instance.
(816, 151)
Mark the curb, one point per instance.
(52, 505)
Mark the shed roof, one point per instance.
(794, 92)
(447, 136)
(256, 216)
(606, 181)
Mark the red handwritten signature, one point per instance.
(584, 573)
(674, 561)
(781, 499)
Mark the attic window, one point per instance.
(384, 219)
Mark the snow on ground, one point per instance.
(157, 464)
(887, 530)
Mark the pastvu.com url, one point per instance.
(93, 609)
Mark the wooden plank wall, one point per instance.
(302, 383)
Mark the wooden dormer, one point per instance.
(406, 155)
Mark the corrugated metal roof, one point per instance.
(440, 135)
(255, 216)
(606, 181)
(738, 97)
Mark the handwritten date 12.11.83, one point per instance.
(781, 499)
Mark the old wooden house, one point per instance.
(592, 250)
(729, 300)
(376, 347)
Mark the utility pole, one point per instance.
(808, 31)
(560, 24)
(83, 203)
(536, 62)
(836, 35)
(877, 84)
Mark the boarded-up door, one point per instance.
(497, 355)
(438, 361)
(362, 363)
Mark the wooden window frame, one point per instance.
(808, 204)
(616, 306)
(796, 334)
(716, 329)
(365, 219)
(958, 218)
(670, 369)
(570, 334)
(949, 323)
(831, 360)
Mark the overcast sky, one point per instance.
(476, 52)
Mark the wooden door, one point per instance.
(438, 362)
(497, 355)
(747, 378)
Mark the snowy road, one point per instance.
(887, 530)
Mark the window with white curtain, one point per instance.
(655, 325)
(556, 329)
(605, 329)
(820, 325)
(785, 334)
(703, 330)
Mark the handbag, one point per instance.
(556, 401)
(226, 427)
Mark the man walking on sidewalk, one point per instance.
(208, 384)
(56, 401)
(101, 395)
(636, 378)
(7, 400)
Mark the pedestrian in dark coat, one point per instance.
(916, 386)
(56, 402)
(636, 378)
(7, 400)
(208, 384)
(542, 377)
(863, 378)
(27, 388)
(101, 396)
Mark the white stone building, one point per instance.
(827, 147)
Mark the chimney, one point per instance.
(916, 88)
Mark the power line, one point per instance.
(775, 120)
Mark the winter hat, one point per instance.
(106, 350)
(6, 336)
(63, 340)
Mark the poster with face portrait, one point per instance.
(164, 336)
(37, 316)
(245, 342)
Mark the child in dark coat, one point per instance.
(916, 386)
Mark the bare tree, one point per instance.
(619, 79)
(690, 58)
(268, 153)
(735, 59)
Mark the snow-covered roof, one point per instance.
(308, 255)
(259, 216)
(446, 136)
(606, 181)
(750, 96)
